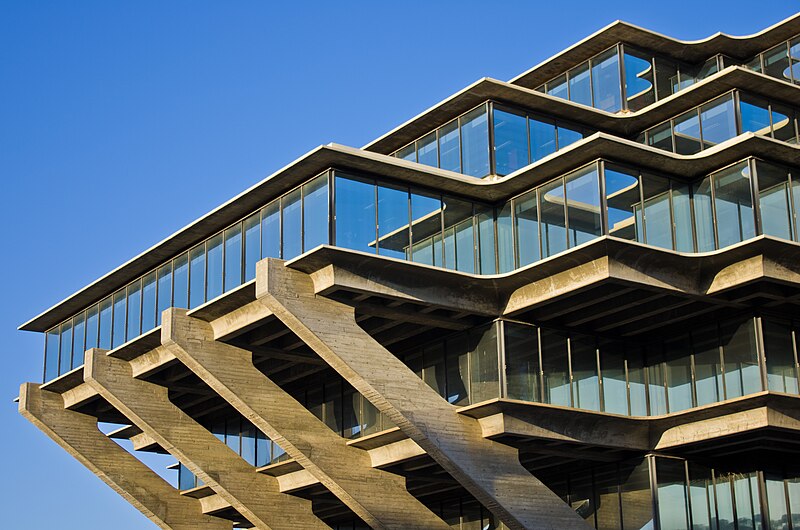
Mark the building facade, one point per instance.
(569, 300)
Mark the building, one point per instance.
(569, 297)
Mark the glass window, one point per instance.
(164, 289)
(777, 513)
(291, 223)
(197, 275)
(505, 238)
(484, 372)
(567, 136)
(543, 138)
(106, 315)
(742, 374)
(779, 351)
(214, 267)
(673, 512)
(748, 506)
(733, 205)
(707, 365)
(776, 63)
(682, 217)
(522, 362)
(233, 257)
(252, 245)
(793, 488)
(333, 405)
(794, 58)
(315, 213)
(65, 361)
(718, 120)
(666, 78)
(555, 367)
(615, 388)
(271, 230)
(486, 253)
(687, 133)
(355, 214)
(583, 205)
(92, 319)
(249, 443)
(605, 81)
(558, 87)
(118, 336)
(639, 83)
(475, 142)
(678, 367)
(703, 215)
(459, 238)
(551, 214)
(51, 343)
(449, 151)
(426, 228)
(657, 214)
(622, 202)
(585, 380)
(433, 368)
(134, 309)
(660, 137)
(527, 223)
(510, 142)
(180, 288)
(724, 497)
(634, 364)
(232, 434)
(701, 498)
(580, 86)
(149, 301)
(656, 389)
(78, 339)
(637, 507)
(457, 364)
(427, 150)
(783, 123)
(606, 485)
(755, 115)
(394, 233)
(773, 200)
(408, 153)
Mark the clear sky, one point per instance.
(120, 122)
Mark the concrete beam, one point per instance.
(379, 498)
(489, 470)
(138, 484)
(257, 497)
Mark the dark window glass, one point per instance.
(551, 215)
(433, 368)
(315, 213)
(733, 205)
(394, 233)
(164, 291)
(742, 375)
(754, 64)
(580, 87)
(475, 142)
(104, 339)
(657, 217)
(773, 200)
(555, 366)
(673, 512)
(522, 362)
(52, 341)
(783, 123)
(426, 228)
(776, 62)
(484, 373)
(605, 81)
(656, 389)
(333, 405)
(291, 223)
(427, 150)
(180, 288)
(526, 219)
(252, 245)
(639, 83)
(92, 319)
(687, 133)
(778, 349)
(558, 87)
(622, 201)
(583, 205)
(197, 273)
(233, 257)
(213, 267)
(119, 319)
(449, 151)
(582, 495)
(660, 137)
(666, 78)
(718, 120)
(263, 455)
(351, 428)
(149, 302)
(505, 238)
(615, 387)
(510, 142)
(703, 215)
(636, 381)
(637, 507)
(457, 362)
(755, 115)
(355, 214)
(459, 239)
(585, 380)
(543, 138)
(707, 365)
(78, 339)
(606, 484)
(678, 368)
(271, 230)
(486, 253)
(134, 309)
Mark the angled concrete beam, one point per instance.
(133, 480)
(379, 498)
(489, 470)
(254, 495)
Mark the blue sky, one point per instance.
(120, 122)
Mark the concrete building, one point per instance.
(569, 300)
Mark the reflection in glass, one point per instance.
(315, 213)
(149, 302)
(65, 362)
(118, 334)
(426, 228)
(612, 366)
(583, 205)
(553, 223)
(427, 150)
(754, 115)
(779, 352)
(134, 309)
(733, 205)
(510, 142)
(484, 218)
(505, 239)
(527, 228)
(776, 63)
(484, 372)
(180, 281)
(783, 123)
(555, 367)
(164, 291)
(656, 389)
(449, 153)
(682, 217)
(78, 339)
(104, 340)
(252, 245)
(580, 88)
(639, 82)
(213, 267)
(459, 240)
(605, 81)
(291, 224)
(707, 365)
(475, 142)
(673, 510)
(773, 200)
(742, 374)
(522, 362)
(703, 215)
(394, 233)
(567, 136)
(657, 211)
(558, 87)
(622, 201)
(271, 230)
(637, 512)
(585, 380)
(233, 257)
(92, 319)
(687, 133)
(718, 121)
(197, 275)
(678, 369)
(660, 137)
(543, 138)
(355, 214)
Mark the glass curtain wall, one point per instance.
(722, 119)
(781, 61)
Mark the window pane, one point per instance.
(180, 288)
(777, 515)
(748, 506)
(408, 153)
(639, 87)
(232, 434)
(656, 389)
(505, 238)
(459, 240)
(585, 381)
(703, 216)
(543, 139)
(134, 310)
(52, 342)
(637, 388)
(793, 486)
(104, 339)
(660, 137)
(672, 503)
(263, 444)
(291, 223)
(701, 498)
(522, 362)
(551, 208)
(393, 228)
(65, 362)
(92, 319)
(776, 63)
(567, 136)
(580, 88)
(315, 213)
(742, 375)
(724, 497)
(657, 217)
(433, 368)
(637, 507)
(583, 205)
(755, 115)
(622, 202)
(252, 245)
(355, 214)
(213, 267)
(773, 200)
(510, 142)
(486, 252)
(555, 367)
(525, 217)
(149, 302)
(783, 123)
(718, 120)
(605, 81)
(233, 257)
(426, 228)
(666, 78)
(271, 230)
(733, 205)
(679, 373)
(484, 373)
(249, 443)
(606, 484)
(794, 57)
(119, 319)
(781, 371)
(78, 338)
(475, 142)
(427, 150)
(164, 290)
(687, 133)
(449, 151)
(615, 388)
(558, 87)
(682, 217)
(457, 362)
(197, 273)
(707, 365)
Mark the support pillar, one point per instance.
(123, 472)
(491, 471)
(256, 496)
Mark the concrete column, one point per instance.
(489, 470)
(378, 497)
(137, 483)
(254, 495)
